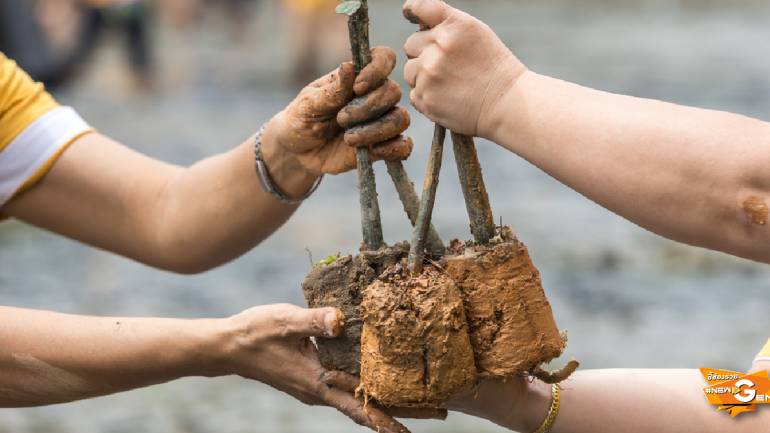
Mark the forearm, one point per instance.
(48, 357)
(685, 173)
(184, 219)
(643, 401)
(217, 210)
(614, 400)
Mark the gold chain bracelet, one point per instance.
(550, 418)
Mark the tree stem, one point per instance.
(417, 251)
(411, 203)
(474, 191)
(371, 224)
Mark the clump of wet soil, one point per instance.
(416, 340)
(341, 284)
(415, 350)
(510, 321)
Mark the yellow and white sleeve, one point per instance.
(34, 130)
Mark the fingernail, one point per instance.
(333, 323)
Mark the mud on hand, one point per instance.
(312, 127)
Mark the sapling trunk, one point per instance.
(421, 226)
(358, 30)
(475, 193)
(371, 224)
(411, 203)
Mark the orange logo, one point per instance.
(735, 392)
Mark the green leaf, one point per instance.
(348, 7)
(328, 260)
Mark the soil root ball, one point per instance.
(415, 350)
(510, 321)
(340, 284)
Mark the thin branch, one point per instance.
(417, 251)
(411, 203)
(371, 224)
(474, 191)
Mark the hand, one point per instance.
(519, 404)
(458, 67)
(271, 344)
(312, 128)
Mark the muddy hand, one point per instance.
(312, 127)
(347, 382)
(272, 344)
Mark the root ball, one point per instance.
(415, 350)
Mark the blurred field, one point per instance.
(627, 297)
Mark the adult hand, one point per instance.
(458, 67)
(312, 129)
(271, 344)
(519, 404)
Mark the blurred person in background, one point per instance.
(53, 40)
(185, 14)
(132, 18)
(692, 175)
(58, 174)
(315, 29)
(41, 36)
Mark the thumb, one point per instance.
(314, 322)
(426, 13)
(337, 92)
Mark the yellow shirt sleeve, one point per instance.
(34, 130)
(22, 101)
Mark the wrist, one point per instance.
(529, 414)
(213, 342)
(498, 114)
(285, 169)
(517, 404)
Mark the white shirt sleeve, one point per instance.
(40, 141)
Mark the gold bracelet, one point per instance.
(550, 418)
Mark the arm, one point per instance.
(47, 357)
(189, 219)
(614, 400)
(692, 175)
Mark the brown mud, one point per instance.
(415, 340)
(389, 125)
(756, 210)
(510, 321)
(341, 284)
(415, 350)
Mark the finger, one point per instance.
(370, 106)
(411, 68)
(416, 101)
(337, 92)
(426, 13)
(416, 413)
(386, 127)
(395, 149)
(348, 382)
(376, 72)
(368, 416)
(416, 43)
(313, 322)
(340, 380)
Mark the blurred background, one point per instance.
(184, 79)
